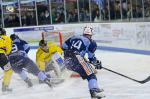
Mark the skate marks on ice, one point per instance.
(84, 97)
(37, 88)
(79, 97)
(5, 93)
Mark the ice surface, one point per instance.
(115, 86)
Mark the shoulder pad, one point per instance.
(92, 46)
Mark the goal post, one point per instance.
(57, 37)
(60, 38)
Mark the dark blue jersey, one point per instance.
(20, 46)
(81, 44)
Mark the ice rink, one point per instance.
(115, 87)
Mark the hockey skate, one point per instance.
(41, 82)
(29, 83)
(96, 93)
(6, 88)
(47, 81)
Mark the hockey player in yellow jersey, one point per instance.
(5, 49)
(48, 57)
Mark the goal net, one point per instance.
(34, 36)
(57, 36)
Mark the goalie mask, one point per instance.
(42, 43)
(43, 46)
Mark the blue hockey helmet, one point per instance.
(14, 36)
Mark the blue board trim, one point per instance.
(34, 29)
(144, 52)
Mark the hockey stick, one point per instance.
(138, 81)
(43, 38)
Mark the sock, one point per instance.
(23, 75)
(92, 83)
(42, 76)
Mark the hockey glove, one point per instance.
(97, 64)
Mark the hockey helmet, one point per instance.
(42, 43)
(88, 30)
(14, 36)
(2, 31)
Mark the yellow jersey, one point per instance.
(44, 57)
(5, 44)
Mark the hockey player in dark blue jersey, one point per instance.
(75, 49)
(21, 62)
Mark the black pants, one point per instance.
(3, 60)
(19, 62)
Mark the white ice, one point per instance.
(116, 87)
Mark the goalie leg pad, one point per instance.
(56, 64)
(59, 60)
(53, 66)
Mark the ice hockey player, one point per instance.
(75, 49)
(20, 62)
(5, 49)
(49, 58)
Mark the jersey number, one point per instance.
(77, 44)
(14, 48)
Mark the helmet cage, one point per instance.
(88, 31)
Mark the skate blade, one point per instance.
(99, 97)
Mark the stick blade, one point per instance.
(145, 80)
